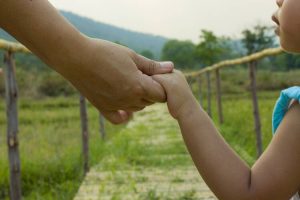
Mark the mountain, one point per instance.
(134, 40)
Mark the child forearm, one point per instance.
(224, 172)
(39, 26)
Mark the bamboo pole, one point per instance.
(85, 134)
(102, 126)
(13, 47)
(252, 73)
(219, 96)
(208, 94)
(12, 127)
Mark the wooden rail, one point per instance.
(13, 47)
(252, 61)
(238, 61)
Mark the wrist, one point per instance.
(69, 54)
(188, 109)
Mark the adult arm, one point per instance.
(112, 77)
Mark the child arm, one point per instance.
(275, 175)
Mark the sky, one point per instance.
(176, 19)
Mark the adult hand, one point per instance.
(112, 77)
(116, 80)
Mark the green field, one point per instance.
(50, 142)
(50, 146)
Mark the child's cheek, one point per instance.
(290, 31)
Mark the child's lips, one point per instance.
(274, 18)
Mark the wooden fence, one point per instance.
(11, 48)
(251, 60)
(11, 95)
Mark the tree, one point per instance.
(147, 54)
(180, 52)
(292, 61)
(262, 37)
(257, 39)
(211, 48)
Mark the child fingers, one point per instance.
(153, 91)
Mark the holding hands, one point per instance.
(116, 80)
(180, 98)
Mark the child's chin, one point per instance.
(290, 48)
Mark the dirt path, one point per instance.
(167, 173)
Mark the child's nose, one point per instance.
(279, 2)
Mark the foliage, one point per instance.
(147, 54)
(210, 48)
(284, 62)
(36, 84)
(236, 80)
(52, 84)
(51, 145)
(258, 38)
(180, 52)
(292, 61)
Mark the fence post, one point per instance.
(208, 94)
(102, 126)
(85, 134)
(199, 89)
(12, 127)
(219, 96)
(252, 72)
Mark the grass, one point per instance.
(50, 143)
(50, 146)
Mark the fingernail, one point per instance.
(167, 64)
(124, 115)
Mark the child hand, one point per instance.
(180, 98)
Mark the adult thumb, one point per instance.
(151, 67)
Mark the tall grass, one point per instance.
(50, 147)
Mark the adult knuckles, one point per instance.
(152, 66)
(132, 54)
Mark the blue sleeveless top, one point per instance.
(282, 105)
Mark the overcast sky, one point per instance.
(181, 19)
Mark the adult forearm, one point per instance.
(112, 77)
(224, 172)
(39, 26)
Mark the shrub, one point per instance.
(53, 85)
